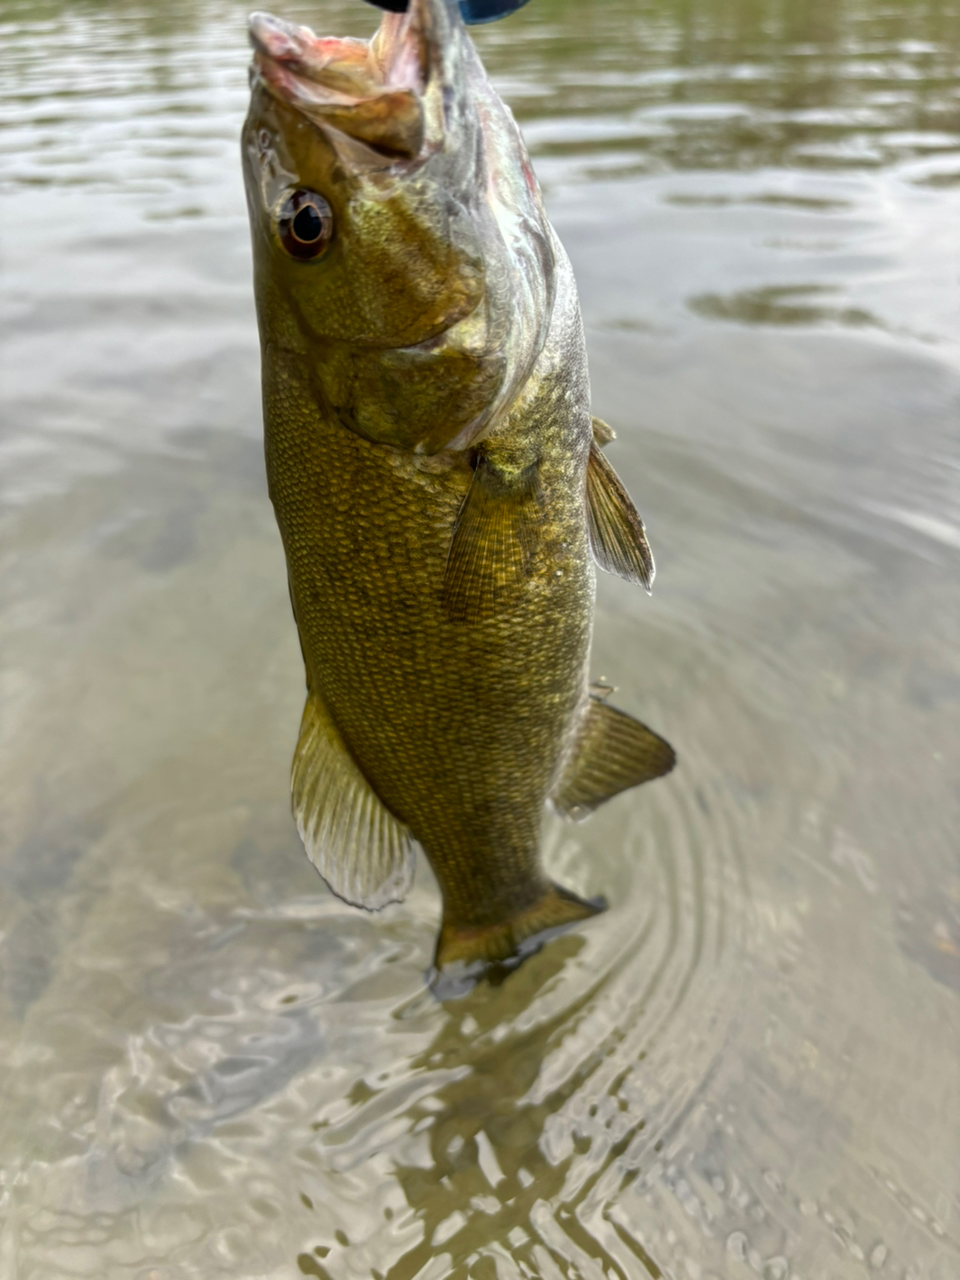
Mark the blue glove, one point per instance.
(474, 11)
(477, 11)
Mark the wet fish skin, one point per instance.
(428, 445)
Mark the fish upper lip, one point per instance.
(345, 66)
(371, 90)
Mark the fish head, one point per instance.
(400, 244)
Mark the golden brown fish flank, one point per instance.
(429, 443)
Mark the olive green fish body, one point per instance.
(437, 478)
(461, 727)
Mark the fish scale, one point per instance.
(432, 709)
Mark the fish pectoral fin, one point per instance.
(362, 851)
(494, 541)
(617, 535)
(613, 752)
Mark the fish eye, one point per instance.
(305, 224)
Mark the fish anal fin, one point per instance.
(494, 543)
(471, 950)
(362, 851)
(613, 752)
(617, 535)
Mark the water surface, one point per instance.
(749, 1065)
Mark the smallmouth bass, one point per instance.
(438, 480)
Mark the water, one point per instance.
(749, 1066)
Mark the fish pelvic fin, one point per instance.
(613, 752)
(508, 942)
(494, 541)
(362, 851)
(617, 535)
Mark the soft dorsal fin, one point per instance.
(613, 752)
(617, 534)
(494, 541)
(365, 855)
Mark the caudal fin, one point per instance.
(473, 948)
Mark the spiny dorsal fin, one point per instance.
(603, 433)
(617, 534)
(365, 855)
(614, 751)
(494, 541)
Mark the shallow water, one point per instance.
(751, 1064)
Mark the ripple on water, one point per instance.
(292, 1074)
(219, 1070)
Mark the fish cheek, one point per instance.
(411, 400)
(391, 278)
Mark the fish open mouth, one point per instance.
(372, 91)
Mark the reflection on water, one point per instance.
(748, 1066)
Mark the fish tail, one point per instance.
(509, 941)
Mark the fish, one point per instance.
(439, 482)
